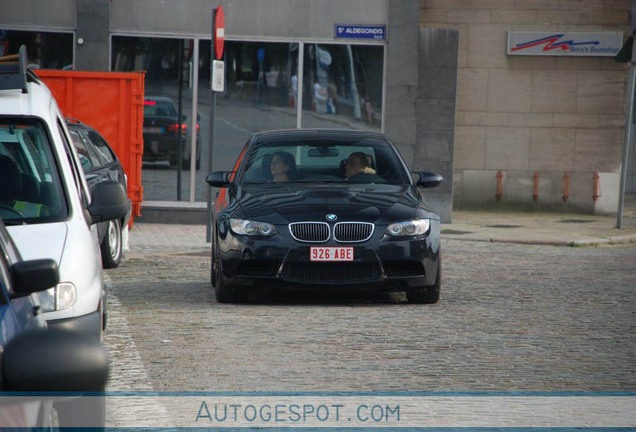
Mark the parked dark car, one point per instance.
(34, 358)
(100, 163)
(346, 213)
(161, 123)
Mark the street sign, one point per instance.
(219, 32)
(347, 31)
(218, 75)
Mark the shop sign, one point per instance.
(564, 43)
(348, 31)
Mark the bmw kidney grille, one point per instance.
(315, 232)
(352, 232)
(320, 232)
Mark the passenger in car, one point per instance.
(11, 190)
(358, 167)
(283, 167)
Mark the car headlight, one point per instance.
(409, 228)
(60, 297)
(252, 228)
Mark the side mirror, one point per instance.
(34, 276)
(54, 360)
(219, 178)
(428, 179)
(109, 201)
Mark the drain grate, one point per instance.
(580, 221)
(503, 226)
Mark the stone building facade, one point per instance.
(555, 116)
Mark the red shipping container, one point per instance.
(111, 103)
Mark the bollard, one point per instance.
(597, 186)
(499, 186)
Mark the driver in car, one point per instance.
(358, 168)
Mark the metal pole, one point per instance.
(301, 76)
(208, 229)
(193, 123)
(629, 137)
(179, 114)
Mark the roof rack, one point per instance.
(13, 75)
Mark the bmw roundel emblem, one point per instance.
(331, 217)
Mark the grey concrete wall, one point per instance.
(402, 76)
(435, 112)
(39, 14)
(246, 19)
(92, 28)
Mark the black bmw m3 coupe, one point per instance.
(324, 209)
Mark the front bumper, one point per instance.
(89, 324)
(382, 263)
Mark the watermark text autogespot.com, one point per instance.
(294, 413)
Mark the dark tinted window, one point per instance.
(5, 283)
(100, 148)
(159, 108)
(84, 156)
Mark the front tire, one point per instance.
(213, 266)
(225, 292)
(430, 294)
(112, 245)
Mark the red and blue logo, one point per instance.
(552, 42)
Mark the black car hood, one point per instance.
(312, 202)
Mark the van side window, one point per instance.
(76, 173)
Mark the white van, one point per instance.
(45, 201)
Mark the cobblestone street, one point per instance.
(511, 317)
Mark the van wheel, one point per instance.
(111, 245)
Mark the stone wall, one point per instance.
(521, 114)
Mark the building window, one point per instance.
(341, 88)
(46, 50)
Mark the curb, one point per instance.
(622, 239)
(615, 240)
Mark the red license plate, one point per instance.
(331, 254)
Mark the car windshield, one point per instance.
(325, 161)
(30, 186)
(159, 108)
